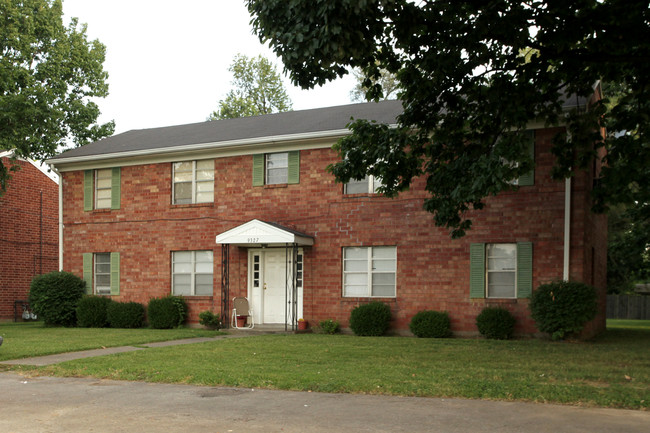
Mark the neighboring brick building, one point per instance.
(142, 211)
(29, 234)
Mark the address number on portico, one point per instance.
(253, 240)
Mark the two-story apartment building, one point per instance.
(29, 211)
(245, 207)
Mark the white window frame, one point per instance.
(268, 160)
(372, 183)
(370, 271)
(509, 270)
(195, 182)
(103, 175)
(193, 273)
(101, 289)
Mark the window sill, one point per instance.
(362, 195)
(183, 206)
(500, 301)
(195, 297)
(353, 299)
(103, 210)
(276, 185)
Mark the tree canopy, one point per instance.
(472, 76)
(258, 89)
(49, 75)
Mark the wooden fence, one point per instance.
(631, 307)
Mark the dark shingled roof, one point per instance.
(270, 125)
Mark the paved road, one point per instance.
(53, 405)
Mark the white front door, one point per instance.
(267, 287)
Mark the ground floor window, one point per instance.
(102, 273)
(501, 270)
(369, 271)
(192, 273)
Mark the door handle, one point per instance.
(264, 286)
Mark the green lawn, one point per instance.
(22, 340)
(612, 371)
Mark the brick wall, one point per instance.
(432, 269)
(26, 248)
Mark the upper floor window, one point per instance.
(276, 168)
(103, 185)
(193, 182)
(367, 185)
(369, 271)
(102, 188)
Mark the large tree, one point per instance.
(258, 89)
(472, 76)
(49, 74)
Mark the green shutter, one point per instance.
(528, 179)
(294, 167)
(115, 273)
(524, 269)
(88, 272)
(115, 188)
(258, 170)
(88, 190)
(477, 271)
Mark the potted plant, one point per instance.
(302, 324)
(241, 321)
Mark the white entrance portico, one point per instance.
(275, 270)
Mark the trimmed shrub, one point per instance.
(370, 319)
(562, 308)
(166, 313)
(91, 312)
(329, 326)
(54, 297)
(210, 320)
(125, 315)
(431, 324)
(496, 323)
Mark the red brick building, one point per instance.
(245, 207)
(29, 234)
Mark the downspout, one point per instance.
(60, 216)
(567, 227)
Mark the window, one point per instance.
(367, 185)
(101, 272)
(193, 182)
(102, 189)
(276, 168)
(192, 273)
(369, 271)
(501, 270)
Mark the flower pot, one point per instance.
(241, 321)
(302, 325)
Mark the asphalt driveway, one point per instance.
(53, 405)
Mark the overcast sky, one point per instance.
(168, 60)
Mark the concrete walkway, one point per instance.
(41, 361)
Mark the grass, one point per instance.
(23, 340)
(611, 371)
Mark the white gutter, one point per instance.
(60, 217)
(567, 227)
(205, 146)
